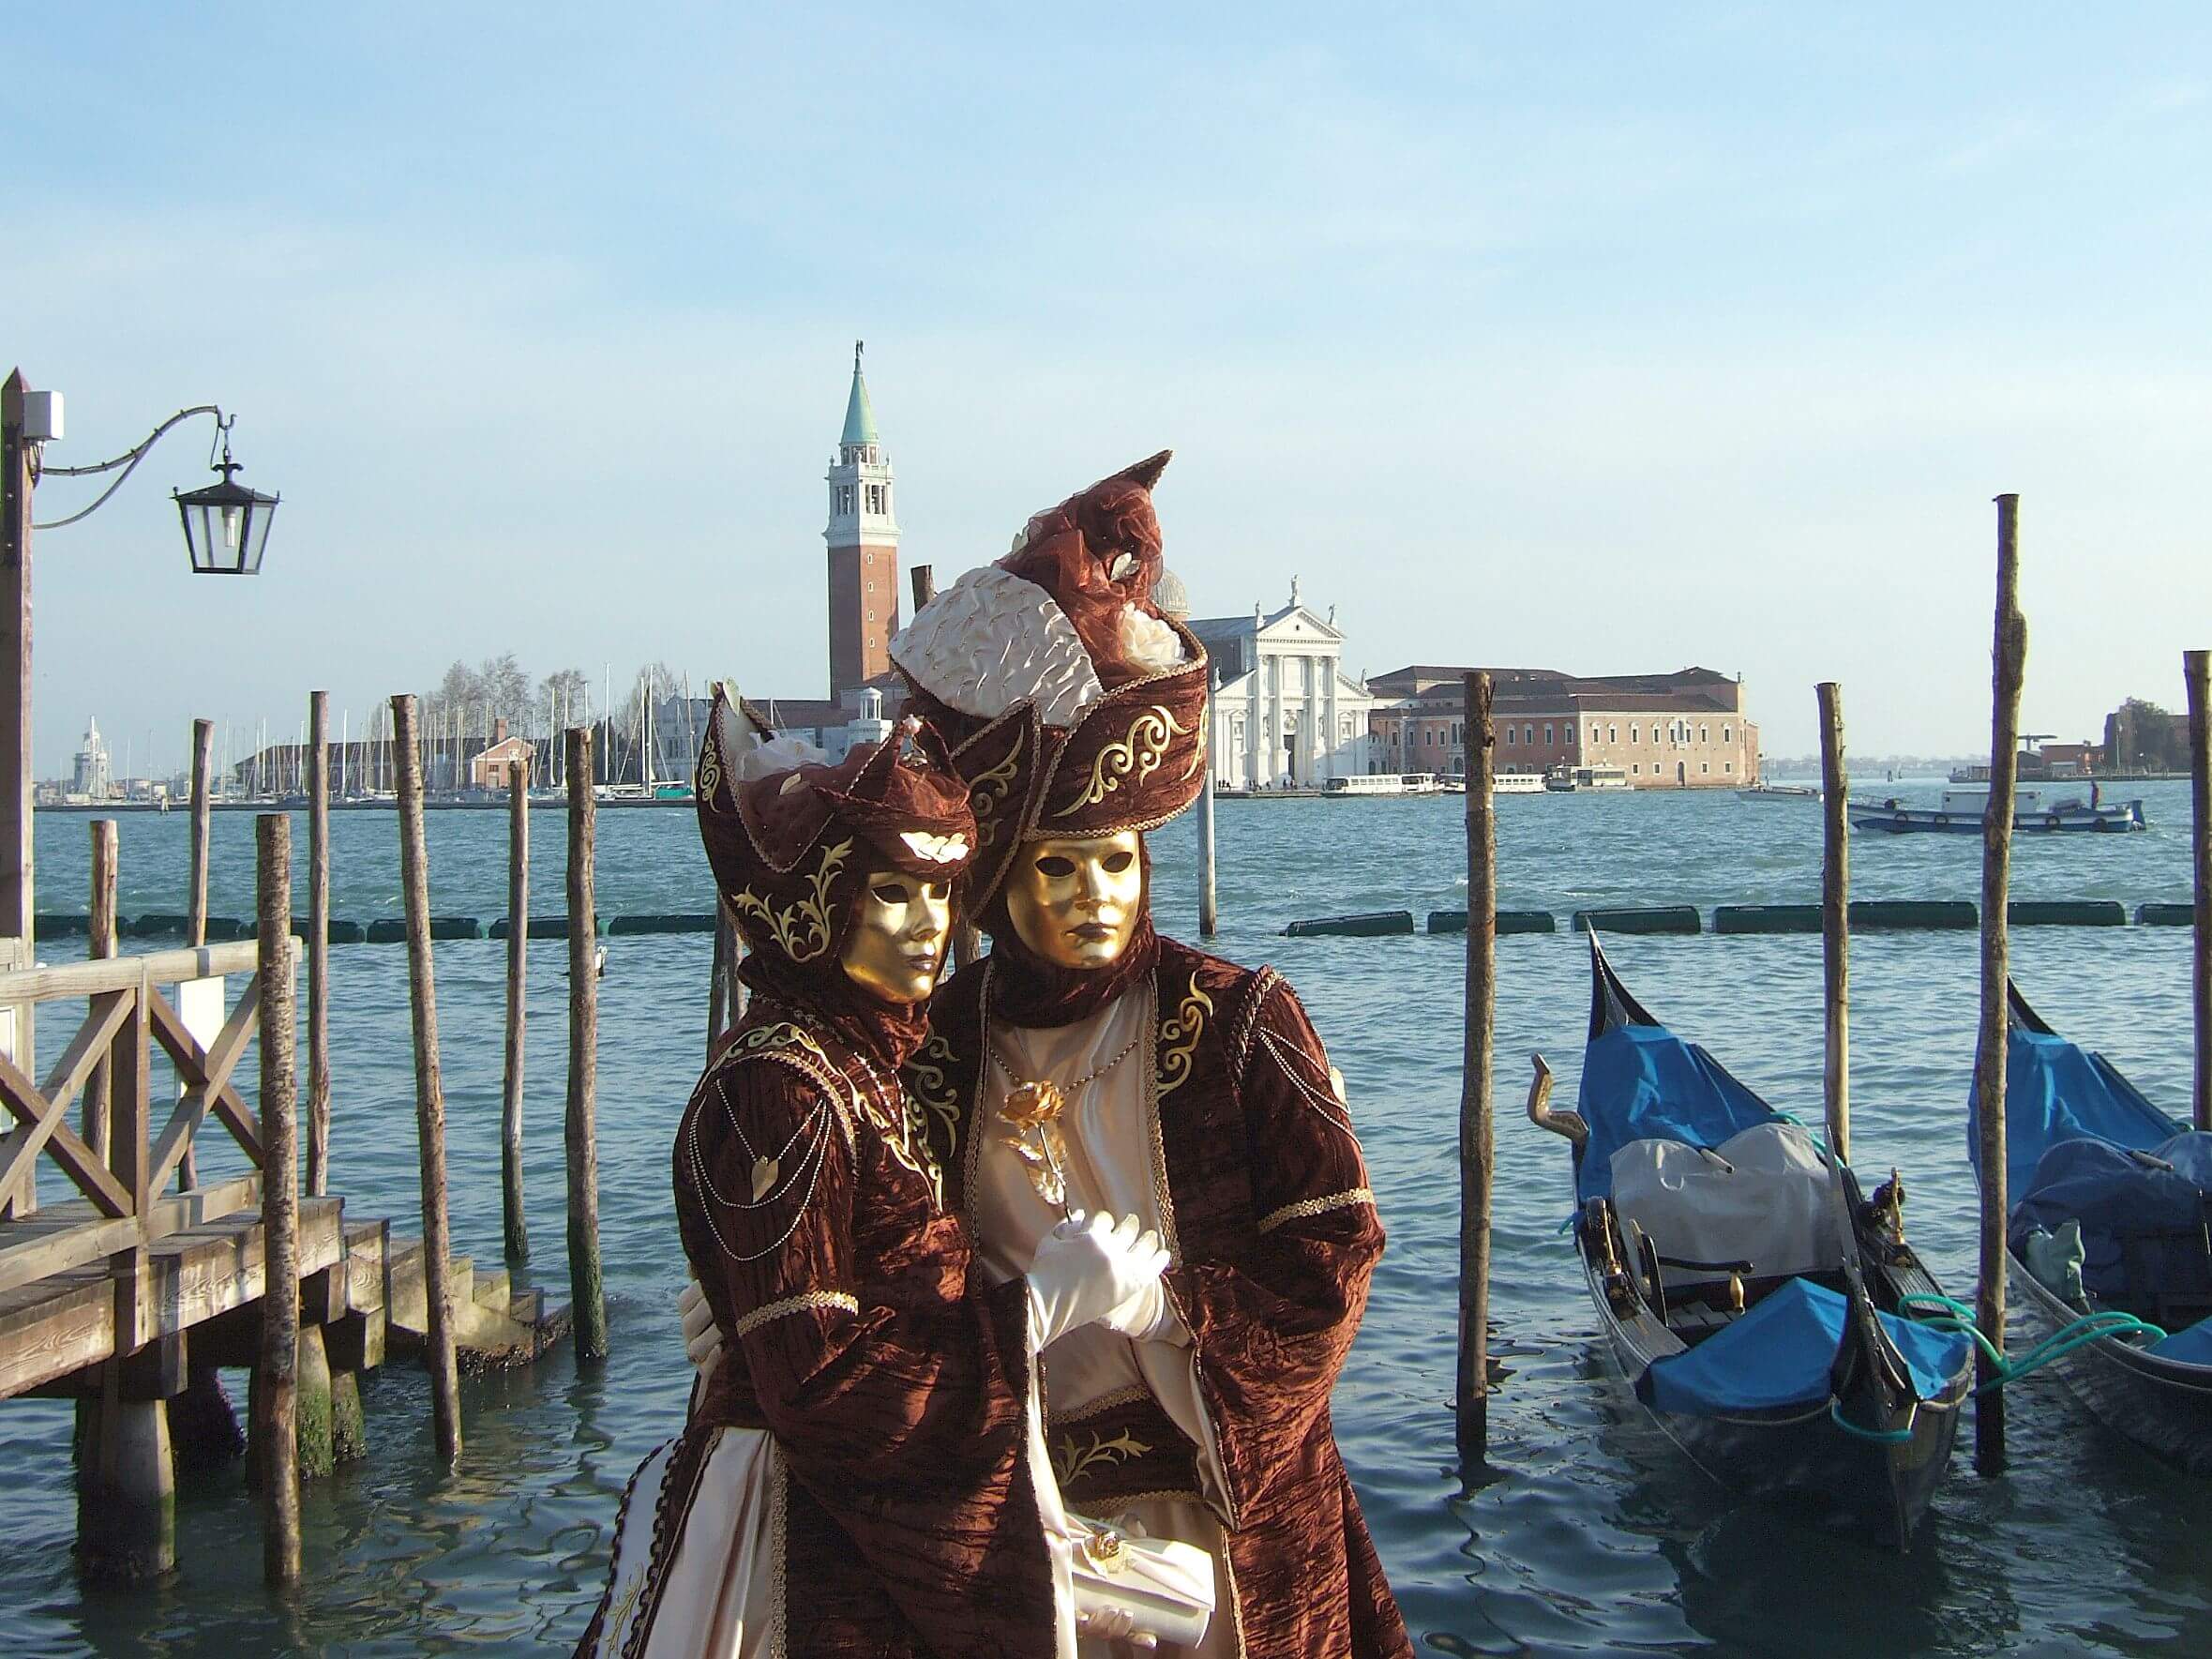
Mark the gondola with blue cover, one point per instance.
(1752, 1297)
(2110, 1214)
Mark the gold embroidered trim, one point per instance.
(1072, 1461)
(1163, 1199)
(806, 1301)
(1099, 1407)
(803, 932)
(710, 765)
(1305, 1207)
(1131, 761)
(989, 790)
(926, 1081)
(1179, 1037)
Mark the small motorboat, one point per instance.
(1756, 1302)
(1780, 792)
(2111, 1200)
(1962, 809)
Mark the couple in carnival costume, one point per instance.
(1155, 1083)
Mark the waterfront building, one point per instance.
(1286, 715)
(1685, 730)
(89, 773)
(862, 537)
(488, 767)
(2141, 736)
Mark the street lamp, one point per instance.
(226, 532)
(226, 524)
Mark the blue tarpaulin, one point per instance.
(1643, 1082)
(1780, 1354)
(2055, 1090)
(2191, 1347)
(2124, 1203)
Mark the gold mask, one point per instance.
(897, 946)
(1075, 901)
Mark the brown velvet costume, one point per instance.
(1275, 1239)
(810, 1207)
(1258, 1175)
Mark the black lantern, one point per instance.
(226, 524)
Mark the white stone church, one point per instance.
(1286, 713)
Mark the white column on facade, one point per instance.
(1332, 740)
(1253, 724)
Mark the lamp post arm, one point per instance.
(127, 460)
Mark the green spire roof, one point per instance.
(860, 414)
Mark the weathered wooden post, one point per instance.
(1208, 910)
(104, 860)
(1835, 920)
(276, 1423)
(2195, 670)
(188, 1170)
(318, 943)
(429, 1096)
(510, 1114)
(2009, 655)
(1477, 1133)
(585, 1286)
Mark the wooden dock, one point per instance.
(129, 1294)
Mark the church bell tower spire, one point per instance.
(862, 537)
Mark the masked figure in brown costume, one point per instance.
(863, 1471)
(1191, 1093)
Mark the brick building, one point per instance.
(862, 537)
(1680, 730)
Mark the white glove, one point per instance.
(702, 1338)
(1085, 1267)
(1146, 1316)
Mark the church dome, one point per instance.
(1170, 595)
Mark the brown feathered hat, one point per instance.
(792, 838)
(1065, 700)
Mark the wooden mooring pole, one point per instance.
(188, 1171)
(318, 943)
(1208, 910)
(1477, 1132)
(586, 1293)
(2009, 656)
(1835, 921)
(2195, 669)
(429, 1097)
(275, 1399)
(96, 1112)
(510, 1110)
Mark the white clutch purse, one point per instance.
(1164, 1586)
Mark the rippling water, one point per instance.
(1595, 1538)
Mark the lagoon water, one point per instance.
(1594, 1538)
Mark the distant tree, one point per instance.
(564, 698)
(505, 689)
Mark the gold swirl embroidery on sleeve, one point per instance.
(806, 1301)
(1131, 761)
(926, 1083)
(1179, 1037)
(1305, 1207)
(710, 765)
(1072, 1460)
(803, 932)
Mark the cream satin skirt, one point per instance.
(717, 1592)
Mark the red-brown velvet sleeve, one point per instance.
(898, 1398)
(1272, 1324)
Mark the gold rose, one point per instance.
(1032, 1112)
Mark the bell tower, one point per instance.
(862, 536)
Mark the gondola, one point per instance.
(1752, 1296)
(2084, 1146)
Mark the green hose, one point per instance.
(1942, 1313)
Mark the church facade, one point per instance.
(1286, 715)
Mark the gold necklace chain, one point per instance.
(1012, 1082)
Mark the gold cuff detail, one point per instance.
(1304, 1207)
(806, 1301)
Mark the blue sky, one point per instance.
(1607, 337)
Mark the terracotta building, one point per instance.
(862, 537)
(488, 767)
(1680, 730)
